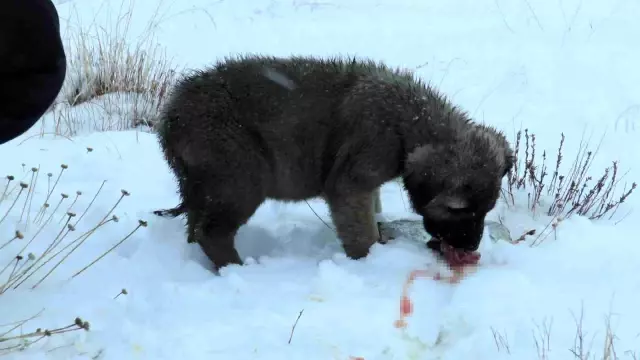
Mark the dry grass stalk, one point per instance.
(23, 341)
(23, 255)
(501, 341)
(583, 343)
(126, 79)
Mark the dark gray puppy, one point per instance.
(257, 127)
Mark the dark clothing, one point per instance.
(32, 63)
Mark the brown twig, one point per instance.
(293, 328)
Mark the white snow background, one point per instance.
(566, 66)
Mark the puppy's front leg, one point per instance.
(377, 201)
(354, 218)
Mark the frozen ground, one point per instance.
(549, 66)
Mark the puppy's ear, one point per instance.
(418, 157)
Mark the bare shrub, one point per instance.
(573, 193)
(583, 342)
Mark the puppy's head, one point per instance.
(454, 185)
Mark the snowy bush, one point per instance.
(575, 192)
(39, 237)
(126, 80)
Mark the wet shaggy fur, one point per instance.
(255, 127)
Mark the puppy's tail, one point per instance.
(173, 212)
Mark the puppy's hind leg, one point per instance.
(227, 206)
(216, 236)
(193, 225)
(354, 218)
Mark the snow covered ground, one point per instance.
(550, 66)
